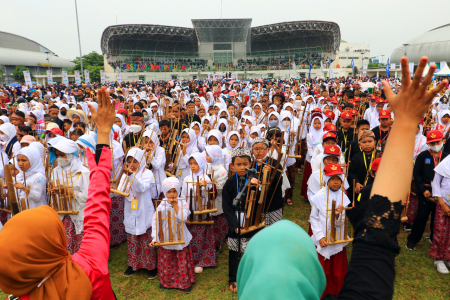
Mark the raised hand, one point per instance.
(104, 116)
(414, 99)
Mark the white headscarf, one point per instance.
(38, 146)
(36, 165)
(215, 152)
(192, 145)
(217, 134)
(317, 134)
(171, 183)
(228, 140)
(138, 155)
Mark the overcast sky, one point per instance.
(385, 24)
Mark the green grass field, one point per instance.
(416, 276)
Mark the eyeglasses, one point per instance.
(259, 149)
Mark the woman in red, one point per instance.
(39, 267)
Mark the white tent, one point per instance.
(425, 71)
(444, 71)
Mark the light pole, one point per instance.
(79, 42)
(48, 58)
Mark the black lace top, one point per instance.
(377, 222)
(371, 271)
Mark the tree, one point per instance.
(18, 73)
(2, 73)
(91, 59)
(376, 65)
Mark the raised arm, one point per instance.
(409, 106)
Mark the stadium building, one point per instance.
(215, 46)
(16, 50)
(434, 43)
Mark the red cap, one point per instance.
(339, 94)
(332, 149)
(346, 116)
(376, 164)
(373, 98)
(334, 100)
(55, 131)
(326, 99)
(354, 112)
(380, 100)
(328, 135)
(384, 114)
(316, 92)
(434, 135)
(333, 169)
(317, 110)
(330, 114)
(356, 99)
(316, 114)
(330, 127)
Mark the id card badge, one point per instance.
(379, 148)
(134, 204)
(284, 148)
(180, 172)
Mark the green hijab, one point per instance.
(280, 262)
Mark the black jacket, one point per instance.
(423, 172)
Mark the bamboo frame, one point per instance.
(174, 231)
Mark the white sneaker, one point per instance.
(200, 269)
(440, 266)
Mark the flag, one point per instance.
(295, 69)
(353, 67)
(387, 69)
(331, 71)
(321, 70)
(309, 74)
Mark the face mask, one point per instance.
(436, 148)
(63, 161)
(35, 98)
(63, 113)
(4, 137)
(273, 123)
(287, 123)
(27, 124)
(146, 118)
(135, 128)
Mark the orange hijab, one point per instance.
(33, 247)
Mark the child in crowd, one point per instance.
(333, 258)
(175, 262)
(138, 211)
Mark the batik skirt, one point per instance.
(116, 226)
(176, 268)
(140, 255)
(73, 239)
(440, 250)
(203, 245)
(220, 230)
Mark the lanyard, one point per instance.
(434, 160)
(237, 182)
(256, 164)
(345, 138)
(382, 139)
(418, 147)
(364, 155)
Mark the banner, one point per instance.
(27, 76)
(49, 77)
(321, 70)
(102, 76)
(77, 77)
(65, 78)
(387, 69)
(392, 65)
(86, 76)
(331, 71)
(353, 67)
(119, 77)
(309, 74)
(411, 69)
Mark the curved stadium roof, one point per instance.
(434, 43)
(279, 36)
(18, 50)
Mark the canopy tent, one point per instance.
(426, 70)
(444, 71)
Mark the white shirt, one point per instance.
(38, 186)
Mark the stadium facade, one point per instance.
(16, 50)
(217, 45)
(434, 43)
